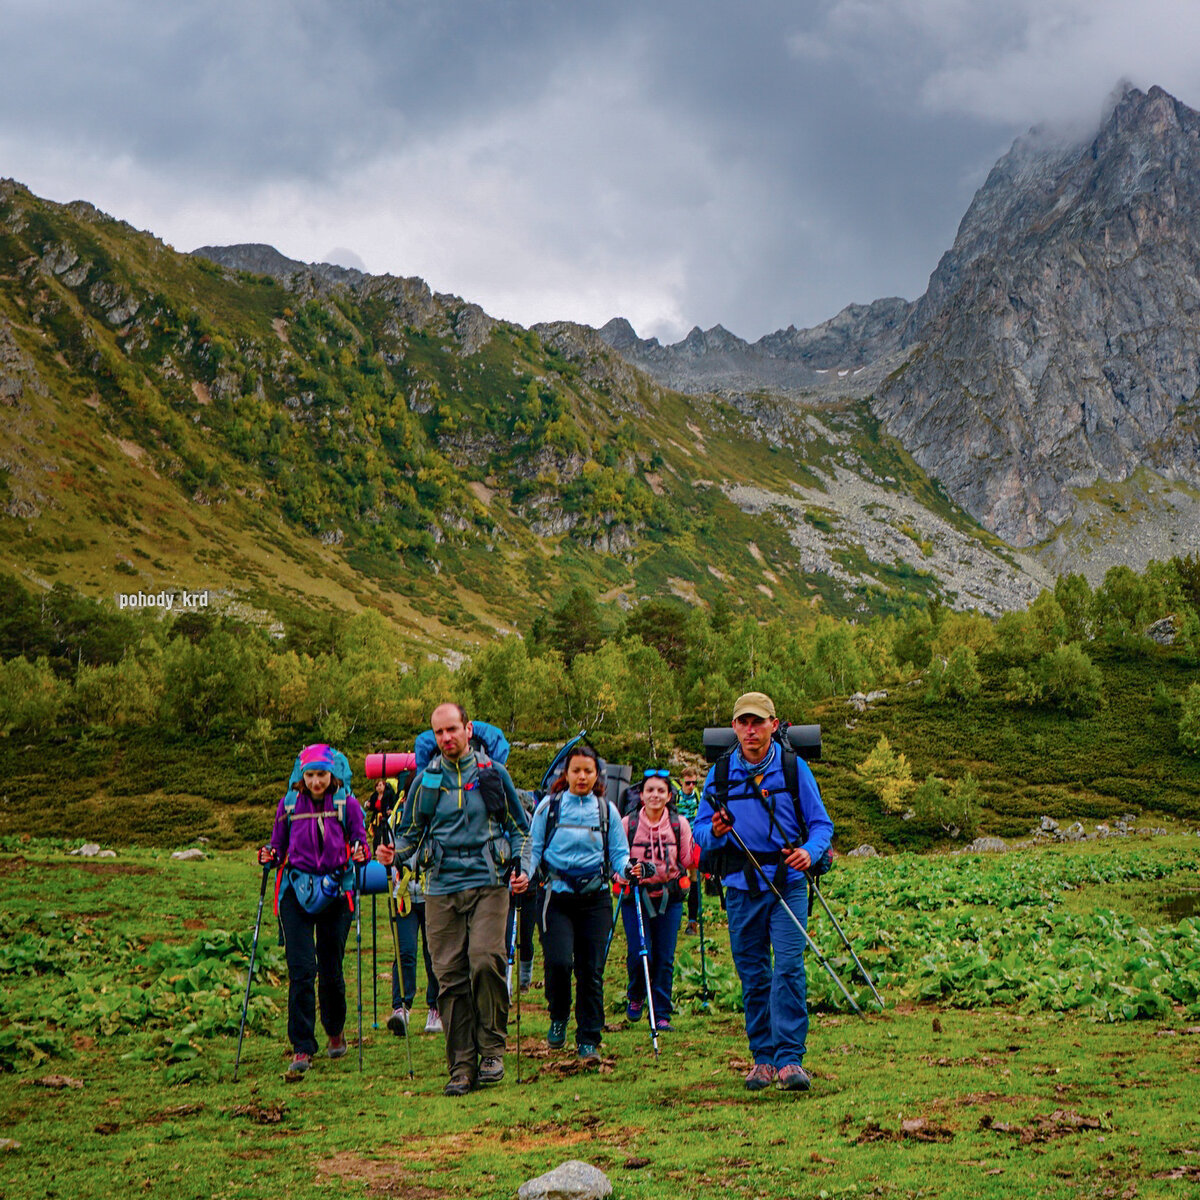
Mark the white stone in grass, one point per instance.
(88, 850)
(106, 854)
(863, 851)
(191, 855)
(573, 1180)
(987, 845)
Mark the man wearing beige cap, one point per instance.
(786, 829)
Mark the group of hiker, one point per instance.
(471, 870)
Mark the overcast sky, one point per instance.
(758, 164)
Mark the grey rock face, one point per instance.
(573, 1180)
(1059, 341)
(866, 850)
(1163, 632)
(847, 355)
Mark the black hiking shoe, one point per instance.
(459, 1085)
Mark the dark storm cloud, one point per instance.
(755, 164)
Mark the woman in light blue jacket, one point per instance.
(579, 846)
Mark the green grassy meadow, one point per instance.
(1006, 1064)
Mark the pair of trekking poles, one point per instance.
(356, 900)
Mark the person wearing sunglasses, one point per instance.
(660, 840)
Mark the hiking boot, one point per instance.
(692, 929)
(557, 1036)
(663, 1025)
(459, 1085)
(300, 1063)
(526, 977)
(398, 1021)
(762, 1075)
(589, 1053)
(793, 1077)
(491, 1070)
(633, 1010)
(433, 1022)
(337, 1047)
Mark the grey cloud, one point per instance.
(756, 164)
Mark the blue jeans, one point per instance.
(406, 935)
(776, 999)
(661, 934)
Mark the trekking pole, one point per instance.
(637, 902)
(374, 970)
(358, 945)
(812, 881)
(737, 837)
(612, 929)
(516, 940)
(704, 993)
(393, 917)
(512, 944)
(815, 890)
(262, 892)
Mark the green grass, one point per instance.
(925, 1099)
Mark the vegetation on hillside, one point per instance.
(1066, 706)
(176, 423)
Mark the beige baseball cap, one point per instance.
(757, 704)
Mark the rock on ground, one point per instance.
(573, 1180)
(988, 845)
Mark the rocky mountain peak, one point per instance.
(1058, 344)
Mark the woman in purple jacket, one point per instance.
(318, 831)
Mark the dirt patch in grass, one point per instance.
(378, 1177)
(916, 1129)
(1060, 1123)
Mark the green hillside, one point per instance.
(174, 424)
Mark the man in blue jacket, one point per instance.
(786, 834)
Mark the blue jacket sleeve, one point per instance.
(820, 826)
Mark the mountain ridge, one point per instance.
(1053, 359)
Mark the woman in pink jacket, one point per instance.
(660, 839)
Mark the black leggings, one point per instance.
(320, 964)
(573, 940)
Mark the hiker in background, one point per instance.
(410, 922)
(661, 839)
(578, 847)
(318, 832)
(466, 820)
(522, 928)
(379, 809)
(686, 802)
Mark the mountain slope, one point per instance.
(1058, 344)
(1048, 377)
(314, 436)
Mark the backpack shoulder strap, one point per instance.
(791, 779)
(602, 812)
(673, 817)
(552, 815)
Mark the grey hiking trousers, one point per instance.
(466, 942)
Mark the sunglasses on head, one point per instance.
(656, 772)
